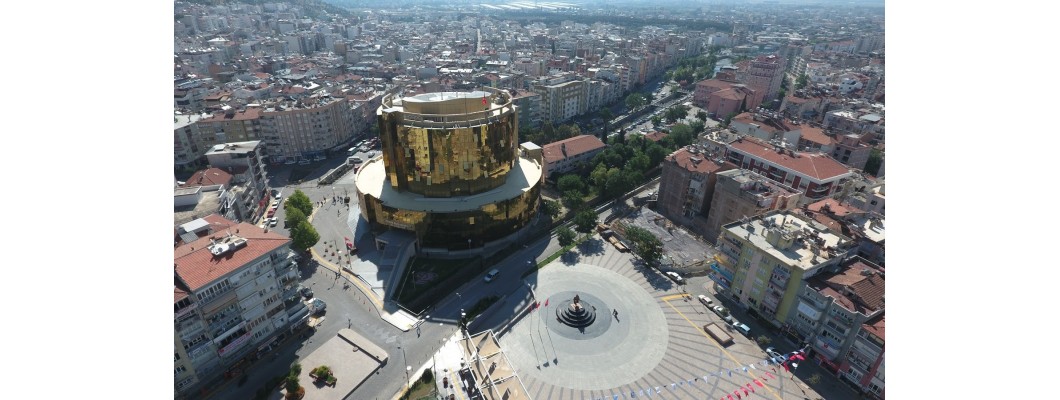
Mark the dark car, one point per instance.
(308, 294)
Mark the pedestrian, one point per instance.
(615, 313)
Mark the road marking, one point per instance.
(675, 296)
(718, 345)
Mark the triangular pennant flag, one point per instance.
(730, 397)
(615, 397)
(632, 394)
(744, 369)
(753, 366)
(759, 383)
(704, 379)
(642, 392)
(750, 387)
(745, 392)
(770, 375)
(730, 373)
(657, 391)
(673, 386)
(737, 393)
(681, 383)
(690, 382)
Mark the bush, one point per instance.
(427, 376)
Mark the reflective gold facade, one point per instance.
(450, 170)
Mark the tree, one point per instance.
(551, 208)
(636, 100)
(294, 217)
(640, 162)
(645, 245)
(801, 81)
(656, 154)
(763, 340)
(291, 384)
(568, 131)
(698, 127)
(299, 200)
(599, 175)
(814, 379)
(656, 120)
(702, 115)
(304, 236)
(606, 114)
(565, 235)
(675, 113)
(872, 166)
(573, 200)
(682, 135)
(571, 182)
(585, 221)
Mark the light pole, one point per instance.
(405, 361)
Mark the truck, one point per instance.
(718, 333)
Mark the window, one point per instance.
(179, 369)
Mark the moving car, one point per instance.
(491, 275)
(706, 301)
(676, 277)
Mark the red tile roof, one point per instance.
(833, 207)
(179, 294)
(553, 152)
(815, 135)
(208, 177)
(866, 291)
(198, 267)
(813, 165)
(655, 136)
(684, 159)
(875, 326)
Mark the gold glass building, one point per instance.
(450, 169)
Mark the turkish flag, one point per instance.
(484, 101)
(759, 383)
(745, 392)
(798, 356)
(750, 387)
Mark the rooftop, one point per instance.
(817, 166)
(858, 286)
(788, 237)
(208, 177)
(694, 161)
(234, 148)
(571, 147)
(197, 265)
(875, 326)
(372, 180)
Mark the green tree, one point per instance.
(702, 115)
(551, 208)
(599, 175)
(656, 154)
(565, 235)
(573, 199)
(294, 217)
(801, 81)
(814, 379)
(656, 120)
(675, 113)
(571, 182)
(568, 131)
(682, 135)
(640, 162)
(606, 114)
(698, 127)
(872, 166)
(304, 236)
(299, 200)
(645, 245)
(635, 101)
(585, 221)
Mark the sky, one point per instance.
(88, 105)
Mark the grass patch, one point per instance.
(554, 256)
(422, 389)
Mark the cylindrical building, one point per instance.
(450, 169)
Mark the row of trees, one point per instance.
(693, 69)
(298, 208)
(548, 133)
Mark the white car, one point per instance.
(706, 301)
(742, 327)
(676, 277)
(491, 275)
(272, 221)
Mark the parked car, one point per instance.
(306, 292)
(676, 277)
(491, 275)
(272, 221)
(723, 313)
(706, 301)
(741, 327)
(316, 306)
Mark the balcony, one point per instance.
(826, 347)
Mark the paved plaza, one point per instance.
(656, 347)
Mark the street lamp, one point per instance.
(407, 370)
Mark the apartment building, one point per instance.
(765, 74)
(564, 99)
(740, 193)
(230, 125)
(816, 174)
(563, 156)
(186, 150)
(840, 314)
(763, 261)
(722, 98)
(850, 150)
(245, 161)
(686, 186)
(306, 128)
(529, 106)
(228, 300)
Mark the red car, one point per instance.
(271, 213)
